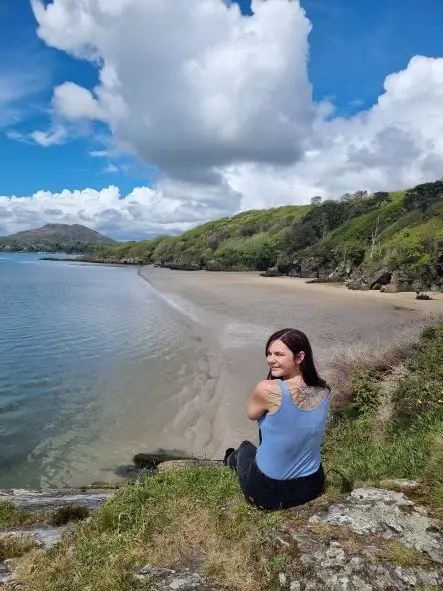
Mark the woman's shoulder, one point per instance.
(267, 386)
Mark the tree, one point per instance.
(316, 200)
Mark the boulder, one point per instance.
(271, 272)
(381, 278)
(400, 283)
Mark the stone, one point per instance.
(45, 537)
(6, 572)
(401, 484)
(33, 500)
(165, 579)
(380, 279)
(372, 510)
(271, 272)
(188, 464)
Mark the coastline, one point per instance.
(236, 312)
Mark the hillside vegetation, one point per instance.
(360, 233)
(54, 238)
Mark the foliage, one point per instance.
(410, 445)
(365, 386)
(361, 232)
(420, 394)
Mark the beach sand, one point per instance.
(235, 313)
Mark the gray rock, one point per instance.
(328, 566)
(33, 500)
(6, 572)
(45, 537)
(401, 484)
(165, 579)
(372, 510)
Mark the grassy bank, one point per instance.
(389, 425)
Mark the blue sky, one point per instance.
(353, 46)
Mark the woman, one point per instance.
(291, 408)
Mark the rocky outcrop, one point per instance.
(382, 278)
(34, 500)
(400, 283)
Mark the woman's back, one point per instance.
(292, 435)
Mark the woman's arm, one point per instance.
(257, 404)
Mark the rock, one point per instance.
(372, 510)
(361, 283)
(183, 266)
(399, 283)
(45, 537)
(165, 579)
(382, 278)
(423, 296)
(271, 272)
(215, 266)
(145, 460)
(188, 464)
(327, 565)
(6, 572)
(33, 500)
(401, 484)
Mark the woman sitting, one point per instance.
(291, 408)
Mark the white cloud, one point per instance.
(221, 104)
(74, 102)
(169, 208)
(50, 138)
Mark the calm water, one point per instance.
(83, 386)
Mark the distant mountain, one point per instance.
(55, 238)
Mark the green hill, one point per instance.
(55, 238)
(358, 234)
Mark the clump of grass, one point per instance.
(189, 518)
(15, 546)
(401, 555)
(433, 472)
(69, 513)
(10, 516)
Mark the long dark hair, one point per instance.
(297, 341)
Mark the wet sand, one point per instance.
(235, 313)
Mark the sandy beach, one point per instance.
(234, 313)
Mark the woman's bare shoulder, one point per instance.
(267, 387)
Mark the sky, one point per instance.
(144, 117)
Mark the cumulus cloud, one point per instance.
(169, 208)
(221, 105)
(189, 86)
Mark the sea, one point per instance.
(92, 360)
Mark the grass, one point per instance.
(194, 518)
(11, 517)
(15, 546)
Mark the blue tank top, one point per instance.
(291, 438)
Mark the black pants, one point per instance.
(268, 493)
